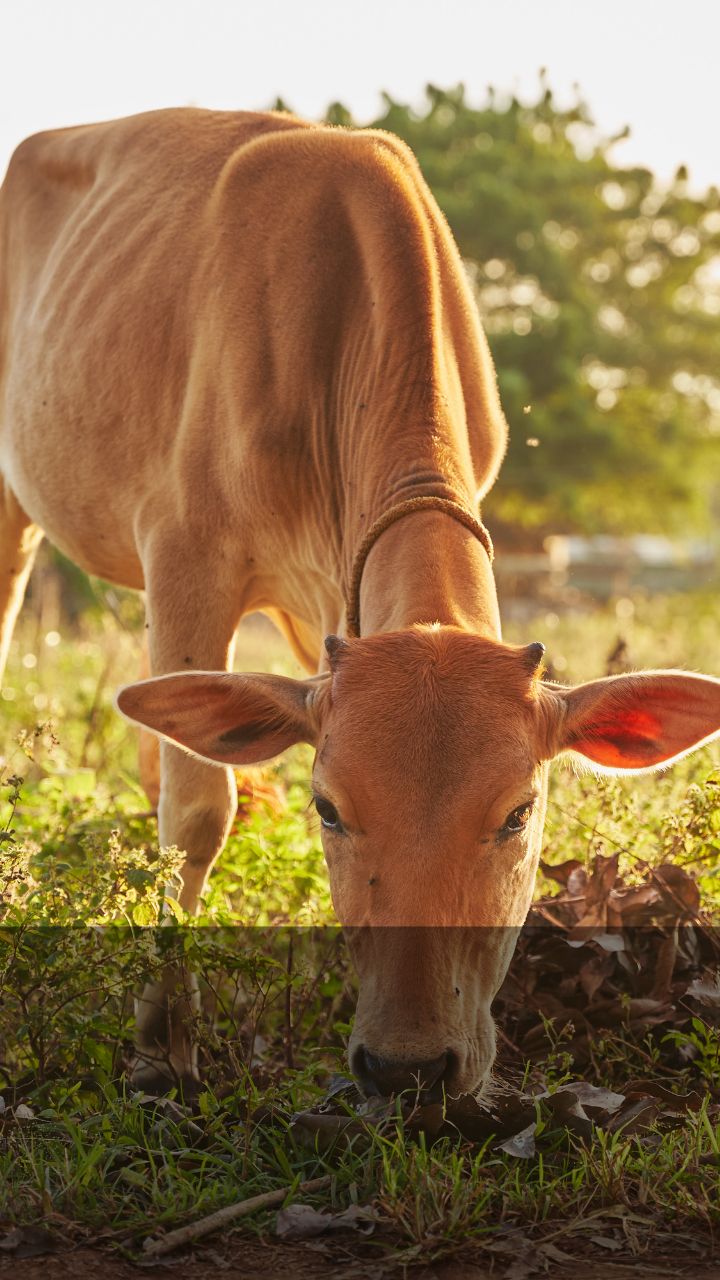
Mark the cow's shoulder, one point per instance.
(76, 156)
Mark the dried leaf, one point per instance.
(507, 1114)
(554, 1254)
(512, 1241)
(673, 1103)
(567, 1110)
(607, 1242)
(665, 967)
(602, 879)
(592, 1097)
(649, 1011)
(593, 920)
(635, 1116)
(678, 887)
(521, 1145)
(338, 1086)
(577, 882)
(428, 1119)
(302, 1222)
(594, 972)
(706, 989)
(634, 905)
(28, 1242)
(609, 941)
(560, 872)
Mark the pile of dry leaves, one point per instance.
(605, 957)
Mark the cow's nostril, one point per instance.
(384, 1076)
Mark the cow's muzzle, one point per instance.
(385, 1076)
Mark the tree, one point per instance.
(600, 294)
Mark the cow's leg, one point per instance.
(19, 540)
(305, 644)
(148, 746)
(192, 621)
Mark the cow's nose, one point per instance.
(384, 1076)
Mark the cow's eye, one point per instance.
(518, 819)
(329, 816)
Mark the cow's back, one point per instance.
(103, 229)
(227, 319)
(153, 170)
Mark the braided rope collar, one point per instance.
(428, 503)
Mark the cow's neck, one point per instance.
(428, 568)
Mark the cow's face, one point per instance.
(430, 781)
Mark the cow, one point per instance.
(241, 369)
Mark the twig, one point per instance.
(154, 1247)
(94, 708)
(288, 1006)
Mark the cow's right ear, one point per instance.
(228, 718)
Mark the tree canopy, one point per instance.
(600, 293)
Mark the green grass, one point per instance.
(82, 877)
(117, 1170)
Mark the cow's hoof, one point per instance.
(147, 1077)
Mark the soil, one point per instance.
(247, 1258)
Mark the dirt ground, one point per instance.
(251, 1259)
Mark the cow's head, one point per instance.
(430, 780)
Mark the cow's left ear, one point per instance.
(637, 722)
(231, 719)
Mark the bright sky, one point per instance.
(647, 63)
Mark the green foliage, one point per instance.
(86, 913)
(600, 293)
(274, 866)
(702, 1042)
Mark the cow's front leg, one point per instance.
(187, 630)
(197, 805)
(148, 746)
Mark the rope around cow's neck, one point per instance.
(427, 503)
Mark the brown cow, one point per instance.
(242, 369)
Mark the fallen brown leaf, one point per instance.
(302, 1222)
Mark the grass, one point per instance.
(83, 879)
(120, 1170)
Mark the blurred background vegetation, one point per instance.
(600, 293)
